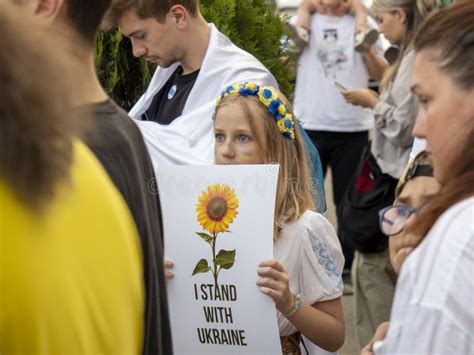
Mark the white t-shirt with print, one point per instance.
(311, 253)
(330, 56)
(433, 309)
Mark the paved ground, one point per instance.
(350, 346)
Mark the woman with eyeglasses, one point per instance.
(415, 190)
(433, 309)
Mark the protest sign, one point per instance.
(218, 226)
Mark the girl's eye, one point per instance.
(243, 138)
(140, 35)
(219, 137)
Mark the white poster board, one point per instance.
(238, 318)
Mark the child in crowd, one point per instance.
(365, 35)
(254, 125)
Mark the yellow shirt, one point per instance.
(71, 277)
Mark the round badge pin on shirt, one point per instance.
(172, 92)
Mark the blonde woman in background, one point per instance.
(395, 111)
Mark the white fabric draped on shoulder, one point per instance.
(189, 139)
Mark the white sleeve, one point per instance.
(433, 310)
(428, 331)
(321, 261)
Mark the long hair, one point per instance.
(35, 100)
(450, 34)
(295, 187)
(456, 189)
(416, 11)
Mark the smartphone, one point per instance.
(339, 86)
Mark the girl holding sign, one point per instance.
(254, 125)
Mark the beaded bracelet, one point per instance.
(296, 306)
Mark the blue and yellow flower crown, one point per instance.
(269, 97)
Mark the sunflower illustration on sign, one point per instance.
(216, 210)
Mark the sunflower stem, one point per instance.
(214, 271)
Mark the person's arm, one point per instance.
(379, 335)
(305, 10)
(375, 64)
(360, 13)
(361, 97)
(395, 118)
(322, 322)
(329, 333)
(308, 7)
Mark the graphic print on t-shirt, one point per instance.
(331, 53)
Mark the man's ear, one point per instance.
(49, 9)
(180, 16)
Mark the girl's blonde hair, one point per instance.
(295, 186)
(416, 11)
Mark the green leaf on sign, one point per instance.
(225, 258)
(201, 267)
(205, 236)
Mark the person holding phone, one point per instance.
(327, 66)
(395, 112)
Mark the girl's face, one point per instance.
(235, 141)
(393, 25)
(446, 113)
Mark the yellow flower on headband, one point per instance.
(266, 95)
(235, 90)
(250, 86)
(281, 125)
(282, 109)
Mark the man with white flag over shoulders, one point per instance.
(196, 62)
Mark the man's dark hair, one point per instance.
(147, 8)
(86, 16)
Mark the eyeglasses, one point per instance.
(392, 219)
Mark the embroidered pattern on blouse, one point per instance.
(327, 261)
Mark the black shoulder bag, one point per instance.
(369, 191)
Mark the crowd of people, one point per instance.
(81, 237)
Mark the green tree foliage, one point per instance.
(252, 25)
(123, 76)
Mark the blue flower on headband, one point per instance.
(248, 91)
(268, 96)
(267, 93)
(273, 107)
